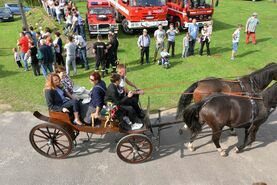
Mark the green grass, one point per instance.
(24, 92)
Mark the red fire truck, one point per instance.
(138, 14)
(100, 17)
(181, 12)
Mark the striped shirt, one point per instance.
(251, 24)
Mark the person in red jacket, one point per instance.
(23, 43)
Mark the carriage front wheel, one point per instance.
(52, 140)
(134, 148)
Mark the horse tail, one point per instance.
(191, 116)
(185, 100)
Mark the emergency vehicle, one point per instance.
(138, 14)
(181, 12)
(100, 17)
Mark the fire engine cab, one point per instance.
(181, 12)
(138, 14)
(100, 17)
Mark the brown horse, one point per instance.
(252, 84)
(221, 110)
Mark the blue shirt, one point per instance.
(193, 31)
(144, 41)
(61, 93)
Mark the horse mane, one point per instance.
(270, 65)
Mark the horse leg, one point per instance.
(215, 138)
(253, 133)
(246, 133)
(190, 145)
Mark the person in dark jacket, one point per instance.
(47, 58)
(115, 95)
(34, 60)
(56, 98)
(97, 95)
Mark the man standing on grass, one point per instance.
(70, 48)
(23, 43)
(159, 36)
(143, 44)
(193, 33)
(100, 50)
(250, 28)
(171, 33)
(82, 46)
(47, 58)
(235, 40)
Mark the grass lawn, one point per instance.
(24, 92)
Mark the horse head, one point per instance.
(263, 77)
(270, 96)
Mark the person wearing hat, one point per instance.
(143, 44)
(250, 28)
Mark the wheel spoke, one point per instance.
(43, 146)
(129, 154)
(40, 141)
(127, 146)
(47, 128)
(48, 150)
(126, 150)
(140, 155)
(54, 150)
(41, 136)
(61, 144)
(60, 135)
(58, 147)
(43, 132)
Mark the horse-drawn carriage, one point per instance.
(55, 138)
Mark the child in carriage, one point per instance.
(164, 60)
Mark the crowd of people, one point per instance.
(60, 97)
(45, 55)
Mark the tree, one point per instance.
(23, 17)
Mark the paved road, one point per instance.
(95, 162)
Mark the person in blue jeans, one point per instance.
(82, 46)
(193, 33)
(46, 58)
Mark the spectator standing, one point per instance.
(185, 45)
(58, 11)
(235, 40)
(46, 56)
(100, 50)
(17, 58)
(171, 34)
(33, 35)
(23, 43)
(82, 47)
(250, 28)
(115, 43)
(143, 44)
(110, 54)
(70, 48)
(193, 30)
(34, 60)
(159, 36)
(58, 43)
(205, 39)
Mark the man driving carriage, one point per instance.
(128, 108)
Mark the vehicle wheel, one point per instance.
(125, 27)
(134, 148)
(52, 140)
(177, 23)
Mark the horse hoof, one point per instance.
(190, 147)
(223, 153)
(237, 150)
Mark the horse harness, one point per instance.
(243, 88)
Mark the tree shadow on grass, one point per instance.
(218, 26)
(4, 73)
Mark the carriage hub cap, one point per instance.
(50, 142)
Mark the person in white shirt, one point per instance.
(159, 36)
(235, 40)
(205, 39)
(70, 48)
(82, 47)
(17, 58)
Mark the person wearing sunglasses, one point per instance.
(97, 95)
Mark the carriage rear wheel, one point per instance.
(52, 140)
(134, 148)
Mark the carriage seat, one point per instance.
(61, 116)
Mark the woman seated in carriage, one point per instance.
(129, 109)
(58, 100)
